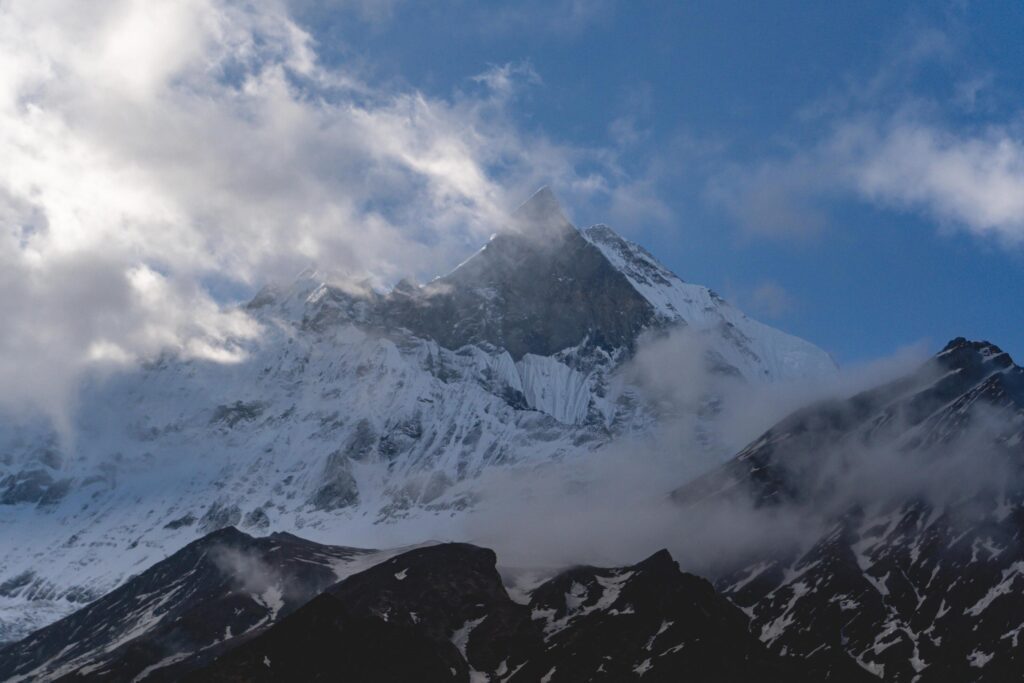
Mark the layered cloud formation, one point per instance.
(163, 157)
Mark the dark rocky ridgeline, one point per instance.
(915, 570)
(646, 622)
(392, 622)
(537, 287)
(441, 614)
(230, 607)
(213, 593)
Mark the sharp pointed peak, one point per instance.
(542, 194)
(542, 208)
(662, 560)
(961, 353)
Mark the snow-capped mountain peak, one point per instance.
(541, 211)
(357, 406)
(974, 356)
(757, 351)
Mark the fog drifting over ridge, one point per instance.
(615, 504)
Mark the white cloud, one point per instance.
(891, 139)
(561, 513)
(506, 80)
(975, 181)
(152, 145)
(966, 181)
(771, 299)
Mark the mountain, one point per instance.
(230, 607)
(910, 560)
(355, 409)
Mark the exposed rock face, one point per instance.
(645, 622)
(340, 488)
(32, 486)
(539, 289)
(219, 516)
(917, 570)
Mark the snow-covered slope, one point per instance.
(754, 348)
(354, 410)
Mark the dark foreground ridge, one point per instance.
(441, 614)
(437, 613)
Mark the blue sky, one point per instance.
(697, 97)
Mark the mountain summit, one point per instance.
(538, 289)
(543, 287)
(542, 211)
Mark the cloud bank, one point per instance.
(614, 505)
(164, 157)
(973, 181)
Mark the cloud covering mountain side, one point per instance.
(165, 158)
(616, 503)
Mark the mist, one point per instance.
(614, 507)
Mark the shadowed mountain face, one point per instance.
(541, 287)
(538, 288)
(915, 566)
(437, 613)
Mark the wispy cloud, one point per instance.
(971, 181)
(778, 198)
(566, 18)
(771, 299)
(974, 181)
(506, 80)
(561, 513)
(881, 140)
